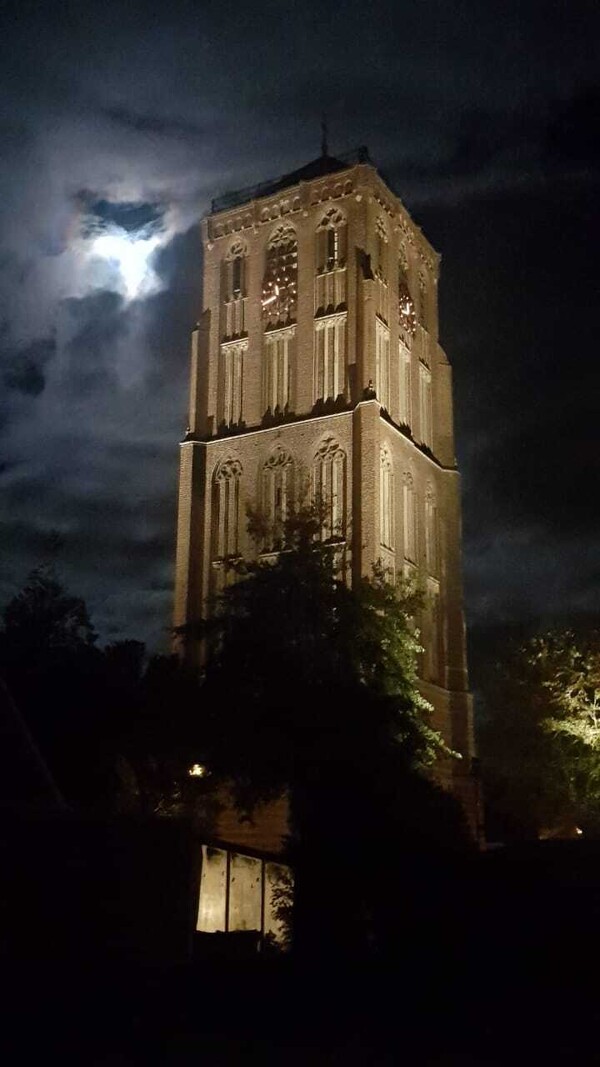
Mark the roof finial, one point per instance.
(324, 145)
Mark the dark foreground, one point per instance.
(495, 961)
(245, 1013)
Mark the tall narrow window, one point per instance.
(409, 517)
(277, 490)
(330, 281)
(381, 270)
(425, 405)
(226, 507)
(431, 532)
(330, 357)
(432, 636)
(234, 292)
(407, 319)
(382, 364)
(381, 242)
(405, 380)
(231, 383)
(422, 298)
(386, 500)
(278, 359)
(329, 488)
(280, 282)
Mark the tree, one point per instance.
(540, 738)
(310, 690)
(44, 618)
(119, 731)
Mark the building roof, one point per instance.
(317, 168)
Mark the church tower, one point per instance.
(316, 361)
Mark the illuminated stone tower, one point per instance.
(316, 359)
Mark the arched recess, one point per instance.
(331, 241)
(234, 291)
(280, 282)
(432, 539)
(409, 514)
(331, 256)
(226, 510)
(277, 490)
(386, 499)
(329, 488)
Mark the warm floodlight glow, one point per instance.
(130, 255)
(197, 770)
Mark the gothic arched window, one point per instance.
(432, 632)
(382, 364)
(330, 282)
(425, 405)
(422, 298)
(431, 532)
(409, 511)
(381, 248)
(234, 291)
(405, 380)
(277, 493)
(226, 509)
(407, 319)
(386, 499)
(381, 269)
(329, 488)
(280, 283)
(331, 241)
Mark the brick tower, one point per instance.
(316, 357)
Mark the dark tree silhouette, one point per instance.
(311, 691)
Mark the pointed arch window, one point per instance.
(330, 281)
(409, 512)
(386, 500)
(226, 510)
(432, 635)
(422, 298)
(425, 406)
(280, 282)
(234, 291)
(407, 317)
(381, 269)
(331, 241)
(382, 364)
(277, 494)
(405, 382)
(432, 552)
(329, 488)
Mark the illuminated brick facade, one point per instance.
(316, 362)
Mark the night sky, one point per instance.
(125, 119)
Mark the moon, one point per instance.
(131, 256)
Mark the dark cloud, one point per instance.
(164, 127)
(24, 368)
(101, 215)
(573, 134)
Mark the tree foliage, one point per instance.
(310, 691)
(540, 738)
(117, 730)
(304, 672)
